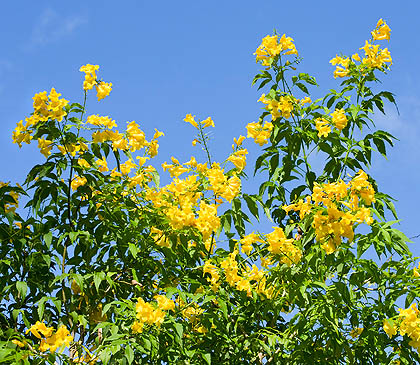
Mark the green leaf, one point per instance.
(133, 249)
(48, 238)
(263, 83)
(310, 178)
(73, 236)
(302, 87)
(207, 358)
(379, 143)
(96, 150)
(179, 331)
(129, 353)
(97, 279)
(252, 205)
(22, 289)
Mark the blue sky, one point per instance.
(166, 59)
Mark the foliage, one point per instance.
(111, 267)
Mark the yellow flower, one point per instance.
(90, 76)
(207, 221)
(136, 137)
(322, 127)
(102, 165)
(19, 343)
(83, 163)
(127, 166)
(239, 141)
(247, 242)
(190, 119)
(260, 133)
(40, 328)
(137, 327)
(207, 122)
(103, 89)
(158, 134)
(105, 121)
(45, 146)
(152, 150)
(271, 47)
(340, 71)
(78, 181)
(305, 100)
(416, 274)
(381, 32)
(339, 119)
(142, 160)
(280, 245)
(61, 338)
(165, 303)
(238, 158)
(389, 328)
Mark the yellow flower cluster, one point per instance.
(338, 120)
(238, 142)
(408, 323)
(374, 56)
(336, 207)
(50, 340)
(221, 185)
(247, 279)
(151, 314)
(133, 139)
(78, 181)
(278, 244)
(101, 121)
(271, 46)
(381, 32)
(45, 107)
(323, 127)
(231, 270)
(45, 146)
(74, 148)
(238, 158)
(102, 88)
(180, 202)
(192, 312)
(340, 61)
(176, 168)
(279, 108)
(90, 76)
(260, 133)
(136, 137)
(248, 241)
(208, 122)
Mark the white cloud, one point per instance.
(52, 27)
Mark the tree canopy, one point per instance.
(105, 264)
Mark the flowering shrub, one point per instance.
(132, 271)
